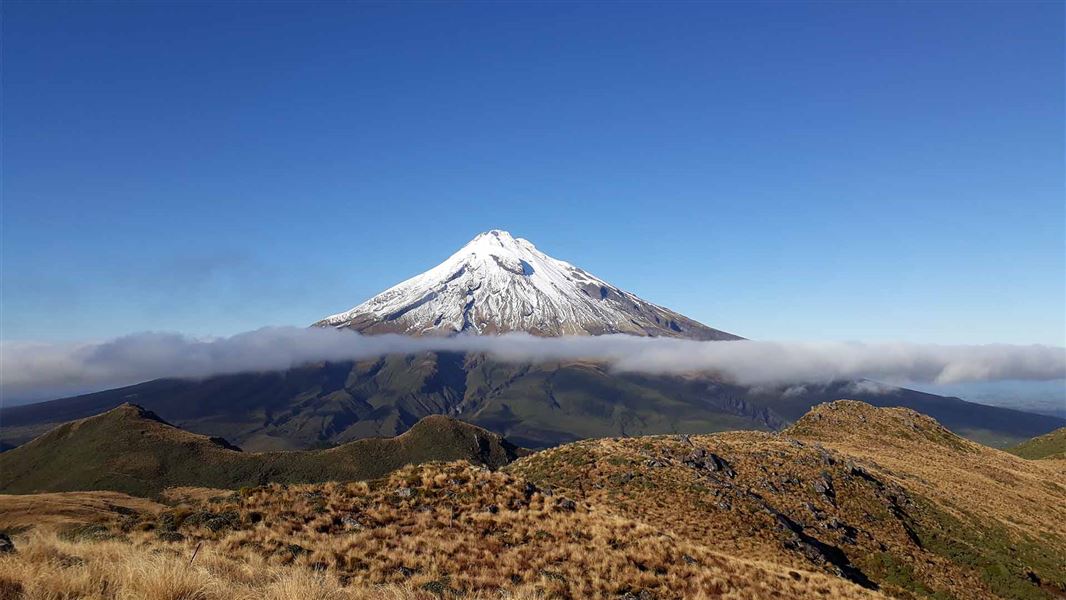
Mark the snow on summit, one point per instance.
(498, 283)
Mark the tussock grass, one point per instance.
(67, 508)
(911, 507)
(852, 496)
(49, 568)
(433, 531)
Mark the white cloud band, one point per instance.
(39, 370)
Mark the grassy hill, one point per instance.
(852, 501)
(1001, 517)
(883, 497)
(534, 405)
(129, 449)
(424, 532)
(1051, 445)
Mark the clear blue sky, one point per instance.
(846, 170)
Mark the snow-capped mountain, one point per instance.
(498, 283)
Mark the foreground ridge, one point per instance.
(855, 501)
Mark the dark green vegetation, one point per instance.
(1011, 564)
(533, 405)
(129, 449)
(1051, 445)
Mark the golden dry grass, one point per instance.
(746, 514)
(49, 568)
(438, 530)
(852, 494)
(914, 508)
(190, 494)
(62, 508)
(969, 480)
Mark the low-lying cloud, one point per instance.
(37, 370)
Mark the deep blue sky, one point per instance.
(783, 171)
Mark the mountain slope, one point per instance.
(497, 283)
(840, 492)
(129, 449)
(975, 479)
(1000, 515)
(534, 405)
(1049, 445)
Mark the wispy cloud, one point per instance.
(37, 370)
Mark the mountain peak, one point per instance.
(843, 420)
(498, 283)
(499, 247)
(496, 235)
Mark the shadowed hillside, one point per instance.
(129, 449)
(533, 405)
